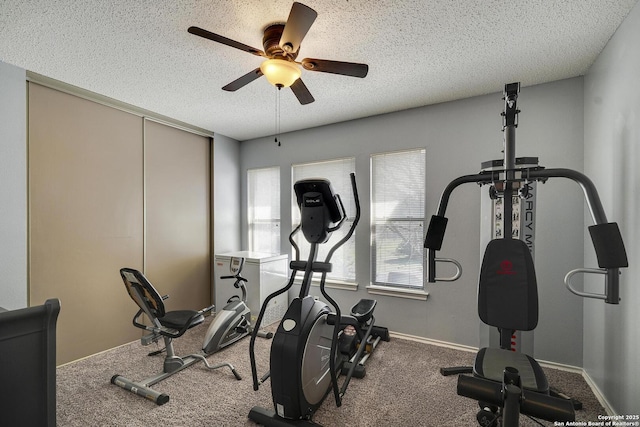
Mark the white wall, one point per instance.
(13, 187)
(458, 136)
(612, 159)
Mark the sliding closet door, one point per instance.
(177, 212)
(86, 217)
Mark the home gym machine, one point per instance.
(305, 360)
(233, 322)
(508, 382)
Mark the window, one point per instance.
(264, 209)
(397, 218)
(338, 173)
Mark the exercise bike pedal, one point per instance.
(243, 326)
(157, 352)
(486, 418)
(241, 329)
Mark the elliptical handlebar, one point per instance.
(337, 392)
(356, 219)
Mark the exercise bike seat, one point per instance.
(363, 310)
(178, 318)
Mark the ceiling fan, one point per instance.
(281, 46)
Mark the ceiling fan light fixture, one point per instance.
(280, 73)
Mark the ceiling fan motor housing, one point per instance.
(271, 43)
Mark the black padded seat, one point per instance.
(490, 363)
(178, 318)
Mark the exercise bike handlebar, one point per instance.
(237, 276)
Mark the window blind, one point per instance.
(397, 213)
(263, 214)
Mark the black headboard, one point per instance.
(28, 365)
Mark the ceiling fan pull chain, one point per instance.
(277, 127)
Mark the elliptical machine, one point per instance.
(234, 321)
(304, 353)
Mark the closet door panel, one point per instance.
(177, 211)
(85, 217)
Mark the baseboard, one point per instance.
(561, 366)
(596, 391)
(544, 363)
(434, 342)
(95, 354)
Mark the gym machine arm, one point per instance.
(605, 235)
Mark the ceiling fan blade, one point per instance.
(336, 67)
(301, 92)
(244, 80)
(298, 23)
(221, 39)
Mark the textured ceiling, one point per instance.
(419, 52)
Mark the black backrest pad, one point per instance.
(151, 298)
(435, 232)
(508, 291)
(609, 246)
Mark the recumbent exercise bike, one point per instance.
(165, 325)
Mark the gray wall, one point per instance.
(226, 194)
(13, 187)
(612, 159)
(226, 201)
(458, 136)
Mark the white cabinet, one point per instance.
(265, 274)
